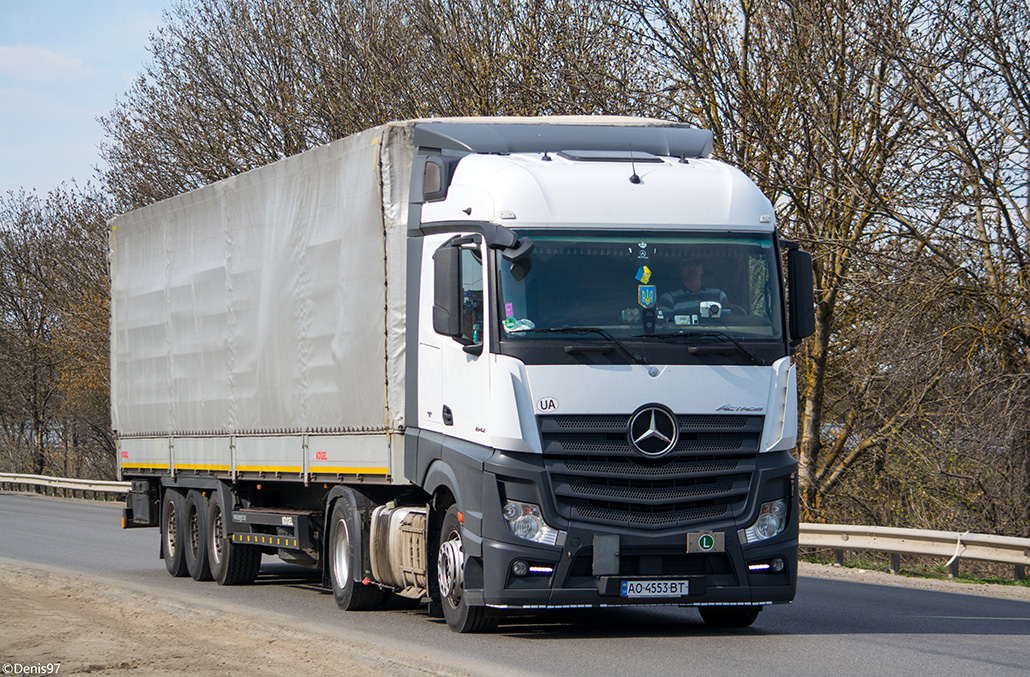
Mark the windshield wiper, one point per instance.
(723, 336)
(636, 357)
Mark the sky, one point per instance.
(63, 64)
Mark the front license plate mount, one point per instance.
(612, 586)
(637, 589)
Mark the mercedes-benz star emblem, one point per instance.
(653, 431)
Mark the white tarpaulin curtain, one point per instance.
(261, 303)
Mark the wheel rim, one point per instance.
(170, 535)
(341, 554)
(450, 569)
(216, 537)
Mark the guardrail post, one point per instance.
(838, 557)
(1020, 574)
(895, 563)
(953, 569)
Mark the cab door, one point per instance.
(454, 370)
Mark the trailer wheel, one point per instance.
(231, 563)
(729, 616)
(450, 571)
(345, 558)
(173, 508)
(196, 536)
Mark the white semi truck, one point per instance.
(495, 364)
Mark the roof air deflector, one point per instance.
(518, 137)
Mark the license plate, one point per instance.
(654, 588)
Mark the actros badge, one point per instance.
(653, 431)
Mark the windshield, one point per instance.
(636, 286)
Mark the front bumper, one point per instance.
(591, 561)
(714, 578)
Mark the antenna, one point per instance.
(632, 163)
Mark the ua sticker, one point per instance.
(547, 404)
(644, 275)
(647, 295)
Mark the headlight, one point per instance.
(772, 520)
(525, 521)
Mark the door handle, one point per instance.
(448, 417)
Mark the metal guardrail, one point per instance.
(897, 542)
(42, 483)
(836, 537)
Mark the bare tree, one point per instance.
(53, 334)
(967, 66)
(235, 84)
(803, 99)
(28, 308)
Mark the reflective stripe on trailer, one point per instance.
(264, 539)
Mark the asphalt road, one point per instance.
(832, 628)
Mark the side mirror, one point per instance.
(522, 248)
(447, 291)
(801, 295)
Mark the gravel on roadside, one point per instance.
(89, 627)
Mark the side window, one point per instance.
(759, 298)
(471, 295)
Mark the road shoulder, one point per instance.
(1013, 592)
(92, 627)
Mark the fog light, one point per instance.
(777, 565)
(520, 568)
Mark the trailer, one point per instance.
(495, 364)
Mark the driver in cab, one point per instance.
(694, 298)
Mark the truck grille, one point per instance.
(596, 476)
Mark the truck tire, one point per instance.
(195, 543)
(450, 568)
(346, 556)
(729, 616)
(231, 563)
(173, 508)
